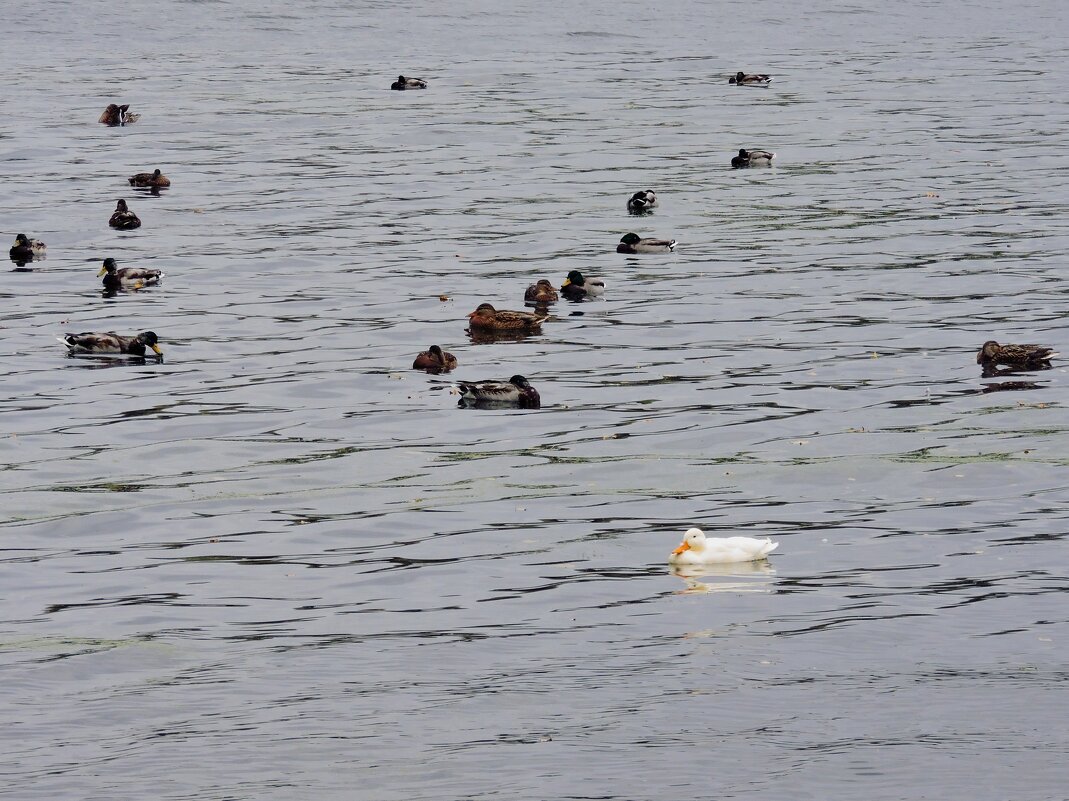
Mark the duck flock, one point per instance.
(486, 322)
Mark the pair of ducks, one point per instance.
(517, 391)
(576, 287)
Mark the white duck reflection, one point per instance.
(757, 575)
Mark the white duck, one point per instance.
(697, 549)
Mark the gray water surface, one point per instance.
(282, 565)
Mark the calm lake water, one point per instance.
(282, 565)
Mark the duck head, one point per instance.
(576, 277)
(630, 239)
(693, 540)
(150, 340)
(988, 353)
(108, 267)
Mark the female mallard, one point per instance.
(118, 115)
(641, 202)
(26, 249)
(435, 360)
(1021, 357)
(577, 287)
(154, 178)
(697, 549)
(517, 391)
(128, 277)
(752, 158)
(486, 317)
(91, 343)
(633, 243)
(742, 79)
(408, 83)
(541, 293)
(123, 218)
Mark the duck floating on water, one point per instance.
(697, 549)
(124, 219)
(740, 78)
(641, 202)
(1019, 357)
(541, 293)
(752, 158)
(154, 178)
(517, 391)
(26, 249)
(435, 360)
(576, 286)
(118, 115)
(95, 343)
(486, 317)
(408, 83)
(633, 243)
(116, 278)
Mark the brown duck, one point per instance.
(541, 292)
(123, 218)
(486, 317)
(154, 178)
(435, 360)
(118, 115)
(1021, 357)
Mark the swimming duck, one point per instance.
(697, 549)
(487, 317)
(633, 243)
(752, 158)
(111, 343)
(408, 83)
(517, 391)
(154, 178)
(1021, 357)
(740, 78)
(123, 218)
(641, 202)
(26, 249)
(541, 293)
(118, 115)
(435, 360)
(128, 277)
(577, 287)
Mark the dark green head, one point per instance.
(519, 381)
(22, 240)
(630, 239)
(574, 277)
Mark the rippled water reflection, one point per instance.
(281, 564)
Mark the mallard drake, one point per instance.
(435, 360)
(118, 115)
(577, 287)
(1021, 357)
(128, 277)
(697, 549)
(408, 83)
(541, 293)
(487, 317)
(641, 202)
(154, 178)
(89, 343)
(752, 158)
(742, 79)
(123, 218)
(26, 249)
(517, 391)
(633, 243)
